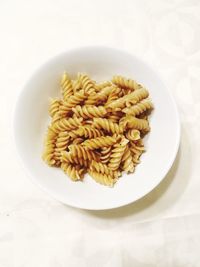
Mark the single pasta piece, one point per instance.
(89, 111)
(114, 94)
(133, 135)
(101, 178)
(74, 173)
(78, 141)
(86, 83)
(107, 125)
(125, 83)
(72, 101)
(103, 168)
(49, 148)
(99, 97)
(102, 85)
(105, 154)
(61, 144)
(54, 107)
(69, 158)
(135, 123)
(99, 142)
(139, 108)
(117, 153)
(133, 97)
(83, 152)
(87, 131)
(76, 85)
(136, 148)
(115, 116)
(66, 86)
(127, 161)
(66, 124)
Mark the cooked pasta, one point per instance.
(139, 108)
(72, 101)
(135, 123)
(107, 125)
(75, 173)
(103, 168)
(69, 158)
(101, 178)
(89, 111)
(127, 161)
(99, 142)
(105, 154)
(66, 86)
(54, 107)
(102, 85)
(132, 98)
(133, 134)
(88, 131)
(87, 84)
(97, 127)
(117, 153)
(83, 152)
(125, 83)
(66, 124)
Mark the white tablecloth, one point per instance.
(162, 229)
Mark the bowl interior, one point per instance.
(31, 120)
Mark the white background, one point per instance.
(162, 229)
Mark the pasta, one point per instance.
(133, 135)
(66, 86)
(117, 153)
(74, 173)
(139, 108)
(87, 84)
(101, 178)
(89, 111)
(97, 127)
(88, 131)
(99, 142)
(54, 107)
(125, 83)
(105, 154)
(107, 125)
(66, 124)
(127, 161)
(135, 123)
(83, 152)
(103, 168)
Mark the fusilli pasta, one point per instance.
(97, 128)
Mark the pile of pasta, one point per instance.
(97, 127)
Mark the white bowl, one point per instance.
(31, 120)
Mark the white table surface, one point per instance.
(162, 229)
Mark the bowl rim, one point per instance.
(54, 194)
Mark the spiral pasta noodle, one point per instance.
(127, 161)
(107, 125)
(117, 153)
(66, 124)
(125, 83)
(73, 172)
(54, 107)
(66, 86)
(101, 178)
(89, 111)
(97, 127)
(99, 142)
(83, 152)
(135, 123)
(87, 84)
(139, 108)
